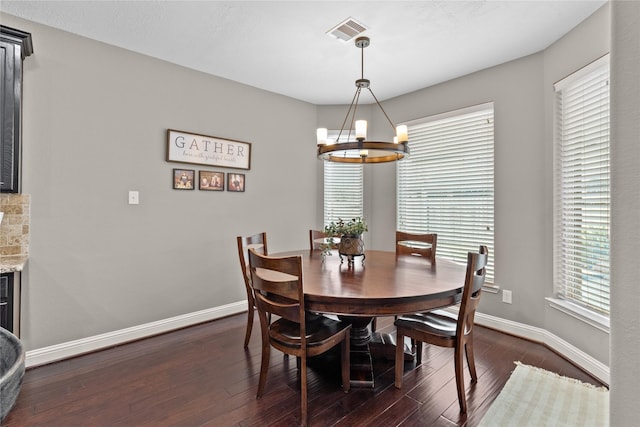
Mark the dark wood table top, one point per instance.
(381, 286)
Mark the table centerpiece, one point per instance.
(350, 234)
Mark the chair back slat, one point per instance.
(313, 236)
(284, 310)
(417, 244)
(277, 284)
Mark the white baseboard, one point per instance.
(68, 349)
(574, 354)
(65, 350)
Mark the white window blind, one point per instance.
(446, 185)
(343, 189)
(582, 188)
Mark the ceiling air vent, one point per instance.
(347, 30)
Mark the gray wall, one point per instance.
(522, 91)
(95, 120)
(625, 232)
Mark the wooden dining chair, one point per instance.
(258, 242)
(444, 329)
(417, 245)
(278, 288)
(414, 244)
(313, 236)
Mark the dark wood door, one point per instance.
(15, 45)
(6, 301)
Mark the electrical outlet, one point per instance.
(134, 198)
(506, 296)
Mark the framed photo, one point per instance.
(211, 181)
(235, 182)
(185, 147)
(184, 179)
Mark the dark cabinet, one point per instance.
(6, 301)
(15, 45)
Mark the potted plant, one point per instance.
(350, 234)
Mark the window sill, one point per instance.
(491, 288)
(596, 320)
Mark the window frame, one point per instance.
(591, 307)
(483, 179)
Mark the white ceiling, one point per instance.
(281, 46)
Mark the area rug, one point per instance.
(535, 397)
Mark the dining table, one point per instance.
(379, 284)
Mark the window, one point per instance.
(343, 189)
(582, 188)
(446, 184)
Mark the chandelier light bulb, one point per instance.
(361, 130)
(321, 134)
(402, 133)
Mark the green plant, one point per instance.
(353, 227)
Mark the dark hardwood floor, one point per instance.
(201, 376)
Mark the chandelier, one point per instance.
(361, 150)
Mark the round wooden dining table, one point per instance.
(379, 285)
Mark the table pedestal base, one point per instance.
(361, 367)
(365, 346)
(384, 346)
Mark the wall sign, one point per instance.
(197, 149)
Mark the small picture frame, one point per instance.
(211, 181)
(184, 179)
(235, 182)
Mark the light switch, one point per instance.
(134, 198)
(506, 296)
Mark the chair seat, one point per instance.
(320, 330)
(437, 322)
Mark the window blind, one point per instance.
(582, 188)
(343, 189)
(446, 185)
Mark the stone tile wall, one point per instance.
(14, 229)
